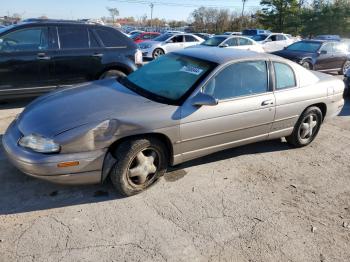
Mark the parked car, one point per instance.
(230, 41)
(204, 36)
(182, 106)
(325, 56)
(328, 37)
(249, 32)
(273, 42)
(37, 57)
(233, 33)
(2, 26)
(168, 43)
(144, 36)
(134, 32)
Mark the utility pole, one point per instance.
(151, 5)
(243, 2)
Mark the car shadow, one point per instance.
(20, 193)
(346, 109)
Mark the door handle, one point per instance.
(97, 55)
(43, 56)
(267, 102)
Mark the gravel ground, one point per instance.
(262, 202)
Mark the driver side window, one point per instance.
(239, 79)
(32, 39)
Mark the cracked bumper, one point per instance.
(45, 166)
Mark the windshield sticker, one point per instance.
(191, 70)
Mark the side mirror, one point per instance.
(268, 40)
(224, 45)
(323, 52)
(202, 99)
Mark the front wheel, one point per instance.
(139, 164)
(306, 65)
(307, 127)
(112, 74)
(345, 68)
(157, 53)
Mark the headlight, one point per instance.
(145, 46)
(138, 57)
(39, 144)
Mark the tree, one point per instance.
(113, 12)
(280, 15)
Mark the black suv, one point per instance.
(40, 56)
(325, 56)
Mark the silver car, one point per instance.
(168, 42)
(182, 106)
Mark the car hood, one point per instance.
(97, 101)
(293, 55)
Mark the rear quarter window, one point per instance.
(285, 77)
(111, 37)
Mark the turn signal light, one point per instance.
(68, 164)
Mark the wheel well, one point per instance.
(161, 137)
(322, 107)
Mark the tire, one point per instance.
(307, 65)
(144, 175)
(112, 74)
(345, 67)
(303, 134)
(157, 53)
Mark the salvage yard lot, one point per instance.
(262, 202)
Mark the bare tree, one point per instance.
(114, 12)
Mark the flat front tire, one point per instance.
(307, 127)
(139, 164)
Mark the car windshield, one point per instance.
(303, 46)
(249, 32)
(214, 41)
(163, 37)
(258, 37)
(169, 78)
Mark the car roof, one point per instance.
(222, 55)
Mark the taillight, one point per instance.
(138, 57)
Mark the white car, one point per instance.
(234, 42)
(274, 41)
(168, 43)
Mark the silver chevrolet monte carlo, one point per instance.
(181, 106)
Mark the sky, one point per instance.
(74, 9)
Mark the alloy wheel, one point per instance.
(157, 53)
(346, 67)
(308, 127)
(143, 168)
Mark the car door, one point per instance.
(325, 60)
(244, 113)
(290, 100)
(191, 40)
(175, 43)
(78, 57)
(340, 54)
(24, 64)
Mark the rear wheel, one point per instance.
(140, 163)
(112, 74)
(157, 53)
(306, 128)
